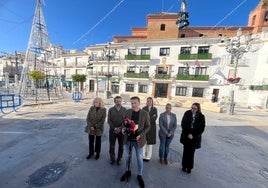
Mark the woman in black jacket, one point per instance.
(193, 125)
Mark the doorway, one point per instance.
(91, 85)
(115, 89)
(215, 95)
(161, 90)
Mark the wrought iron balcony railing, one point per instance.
(136, 75)
(137, 57)
(192, 77)
(162, 76)
(195, 56)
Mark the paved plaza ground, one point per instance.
(234, 151)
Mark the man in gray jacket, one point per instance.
(116, 116)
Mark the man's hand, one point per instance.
(138, 137)
(169, 135)
(117, 130)
(92, 128)
(190, 136)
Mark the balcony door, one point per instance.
(161, 90)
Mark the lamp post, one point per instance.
(236, 46)
(109, 53)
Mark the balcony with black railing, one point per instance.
(200, 56)
(192, 77)
(137, 57)
(162, 76)
(136, 75)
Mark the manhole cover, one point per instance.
(47, 174)
(264, 173)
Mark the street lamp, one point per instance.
(237, 47)
(110, 54)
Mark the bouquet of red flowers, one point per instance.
(130, 125)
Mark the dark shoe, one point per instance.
(97, 156)
(189, 171)
(89, 156)
(146, 160)
(166, 161)
(118, 162)
(141, 182)
(183, 169)
(125, 176)
(161, 161)
(112, 161)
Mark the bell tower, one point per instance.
(258, 18)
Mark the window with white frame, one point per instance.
(93, 56)
(115, 70)
(161, 70)
(164, 51)
(203, 49)
(145, 51)
(198, 92)
(68, 62)
(185, 50)
(129, 87)
(67, 73)
(104, 69)
(181, 91)
(78, 71)
(183, 70)
(200, 70)
(79, 61)
(132, 51)
(131, 69)
(143, 88)
(144, 69)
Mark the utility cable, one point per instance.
(229, 14)
(101, 20)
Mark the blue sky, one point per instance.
(68, 21)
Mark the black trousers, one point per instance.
(112, 139)
(188, 156)
(94, 141)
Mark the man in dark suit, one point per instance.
(116, 115)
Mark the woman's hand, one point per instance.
(124, 131)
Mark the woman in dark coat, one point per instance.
(193, 125)
(151, 135)
(95, 126)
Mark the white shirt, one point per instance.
(168, 120)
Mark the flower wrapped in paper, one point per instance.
(131, 128)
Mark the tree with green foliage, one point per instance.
(80, 78)
(36, 76)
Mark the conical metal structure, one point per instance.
(37, 52)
